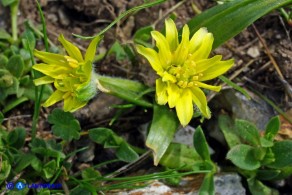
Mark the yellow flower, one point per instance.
(72, 75)
(183, 67)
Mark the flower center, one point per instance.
(185, 74)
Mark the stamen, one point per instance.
(71, 61)
(195, 78)
(190, 84)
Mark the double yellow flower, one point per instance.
(183, 67)
(72, 75)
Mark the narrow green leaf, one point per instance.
(125, 89)
(272, 128)
(7, 2)
(162, 129)
(234, 86)
(64, 125)
(248, 132)
(201, 144)
(229, 19)
(180, 156)
(227, 126)
(243, 157)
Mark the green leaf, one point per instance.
(180, 156)
(47, 148)
(7, 2)
(3, 61)
(243, 157)
(248, 132)
(267, 174)
(208, 186)
(282, 154)
(125, 89)
(4, 34)
(258, 188)
(16, 138)
(24, 161)
(227, 126)
(15, 65)
(201, 144)
(1, 117)
(162, 129)
(143, 35)
(229, 19)
(126, 153)
(49, 169)
(28, 36)
(119, 51)
(5, 170)
(234, 86)
(109, 139)
(266, 143)
(90, 173)
(64, 125)
(272, 128)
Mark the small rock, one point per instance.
(64, 20)
(52, 17)
(228, 184)
(253, 52)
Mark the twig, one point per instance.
(168, 12)
(286, 85)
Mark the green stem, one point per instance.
(38, 94)
(13, 13)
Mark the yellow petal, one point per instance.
(54, 71)
(216, 69)
(204, 64)
(72, 104)
(173, 92)
(71, 49)
(168, 77)
(182, 51)
(204, 49)
(206, 86)
(197, 39)
(54, 98)
(171, 34)
(152, 57)
(184, 107)
(164, 50)
(43, 80)
(51, 58)
(90, 52)
(161, 92)
(200, 101)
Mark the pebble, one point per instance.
(253, 52)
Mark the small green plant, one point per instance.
(258, 158)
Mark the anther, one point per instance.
(190, 84)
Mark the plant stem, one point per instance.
(13, 13)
